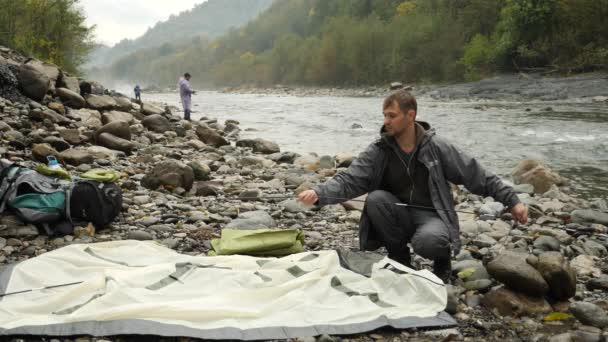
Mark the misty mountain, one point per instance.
(208, 20)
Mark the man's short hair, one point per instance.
(404, 99)
(187, 75)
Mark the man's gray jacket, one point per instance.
(445, 164)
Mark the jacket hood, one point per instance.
(423, 133)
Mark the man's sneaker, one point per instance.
(442, 268)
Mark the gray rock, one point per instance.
(19, 231)
(524, 189)
(90, 118)
(558, 274)
(123, 103)
(589, 216)
(115, 115)
(590, 314)
(513, 270)
(71, 98)
(156, 123)
(600, 283)
(115, 143)
(327, 162)
(249, 195)
(77, 156)
(202, 172)
(547, 243)
(139, 235)
(100, 102)
(171, 243)
(483, 240)
(169, 174)
(150, 109)
(210, 136)
(33, 82)
(57, 143)
(252, 220)
(293, 206)
(207, 188)
(116, 128)
(259, 145)
(492, 209)
(477, 285)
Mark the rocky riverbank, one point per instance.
(591, 87)
(183, 182)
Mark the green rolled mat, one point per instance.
(259, 242)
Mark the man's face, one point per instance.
(396, 121)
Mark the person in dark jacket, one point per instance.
(410, 164)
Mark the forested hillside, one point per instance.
(355, 42)
(51, 30)
(208, 19)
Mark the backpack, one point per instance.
(93, 201)
(31, 196)
(54, 205)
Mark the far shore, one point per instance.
(589, 87)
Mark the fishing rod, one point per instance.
(398, 204)
(39, 289)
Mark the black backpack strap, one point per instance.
(7, 178)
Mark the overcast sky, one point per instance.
(119, 19)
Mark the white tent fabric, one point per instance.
(133, 287)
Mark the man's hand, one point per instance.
(308, 197)
(520, 213)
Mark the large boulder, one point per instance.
(150, 109)
(513, 270)
(170, 174)
(70, 83)
(100, 152)
(41, 151)
(100, 102)
(587, 216)
(51, 71)
(90, 118)
(77, 157)
(538, 175)
(115, 115)
(47, 114)
(115, 143)
(557, 272)
(590, 314)
(259, 145)
(123, 103)
(70, 98)
(119, 129)
(72, 135)
(210, 136)
(156, 123)
(33, 82)
(56, 143)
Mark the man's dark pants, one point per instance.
(187, 114)
(395, 226)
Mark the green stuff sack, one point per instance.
(101, 175)
(259, 242)
(59, 173)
